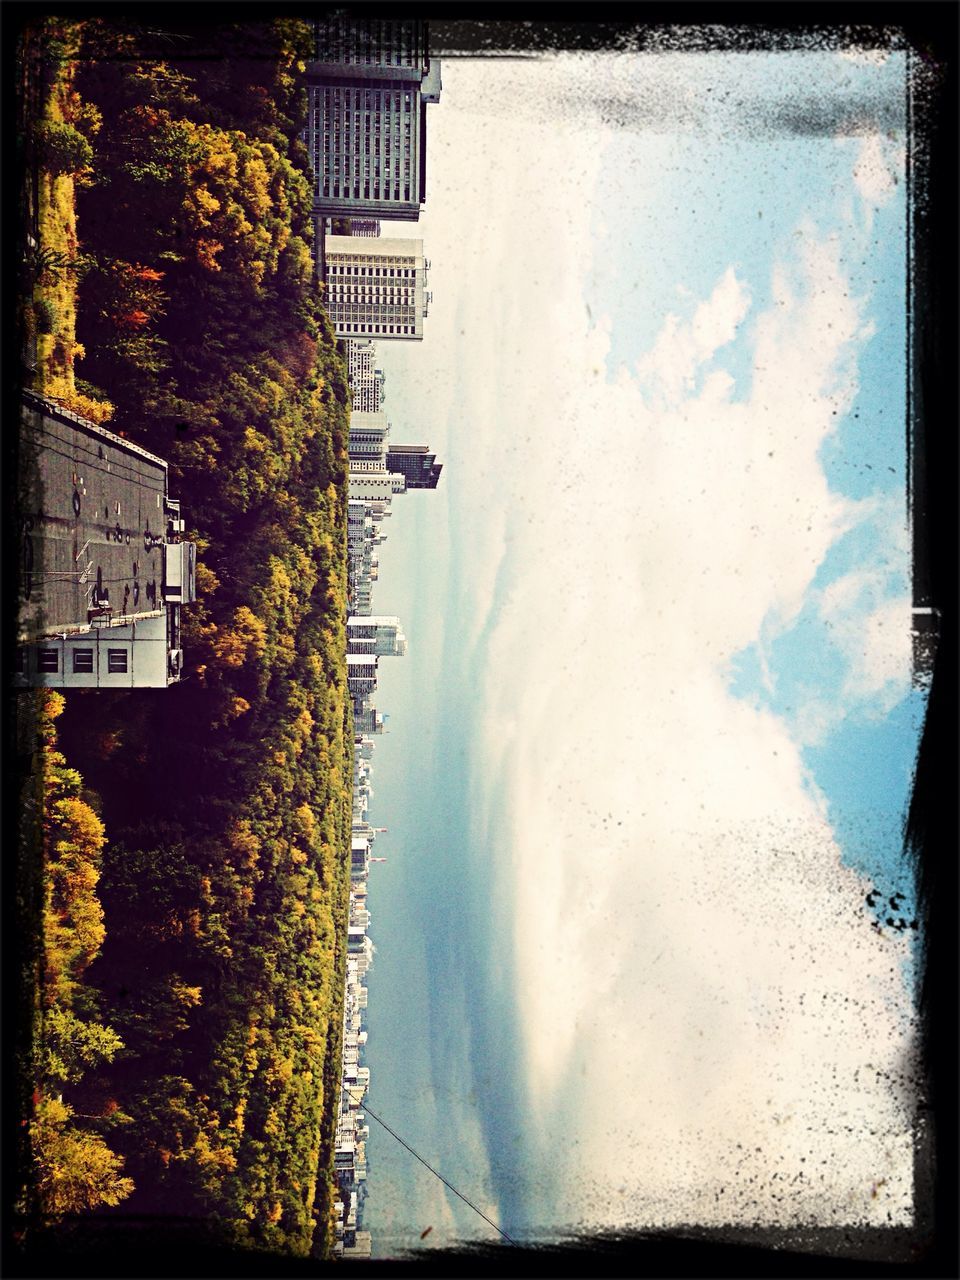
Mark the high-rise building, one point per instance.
(376, 288)
(370, 720)
(361, 677)
(366, 381)
(368, 88)
(379, 634)
(418, 467)
(368, 437)
(364, 227)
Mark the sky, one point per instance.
(651, 747)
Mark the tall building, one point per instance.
(368, 437)
(376, 288)
(361, 677)
(364, 227)
(379, 634)
(368, 88)
(366, 381)
(419, 468)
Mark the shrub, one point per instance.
(63, 148)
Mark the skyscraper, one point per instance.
(379, 634)
(368, 437)
(376, 288)
(366, 381)
(419, 468)
(368, 88)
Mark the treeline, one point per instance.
(226, 799)
(74, 1165)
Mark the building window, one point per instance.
(83, 661)
(116, 661)
(48, 660)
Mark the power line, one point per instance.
(368, 1112)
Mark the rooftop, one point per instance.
(87, 501)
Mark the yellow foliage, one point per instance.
(98, 411)
(243, 841)
(207, 580)
(75, 1170)
(237, 1121)
(81, 827)
(53, 704)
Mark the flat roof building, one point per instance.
(103, 570)
(368, 437)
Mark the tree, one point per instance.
(75, 1170)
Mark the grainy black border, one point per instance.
(931, 28)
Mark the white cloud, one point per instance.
(691, 948)
(695, 967)
(669, 370)
(868, 612)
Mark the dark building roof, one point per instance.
(87, 498)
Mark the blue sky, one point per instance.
(653, 738)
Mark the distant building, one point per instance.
(366, 381)
(379, 633)
(373, 486)
(370, 721)
(376, 288)
(361, 677)
(368, 87)
(364, 227)
(104, 571)
(368, 437)
(362, 1246)
(418, 467)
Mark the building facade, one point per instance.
(415, 463)
(376, 288)
(104, 571)
(368, 87)
(368, 437)
(380, 634)
(366, 381)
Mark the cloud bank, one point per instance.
(712, 1030)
